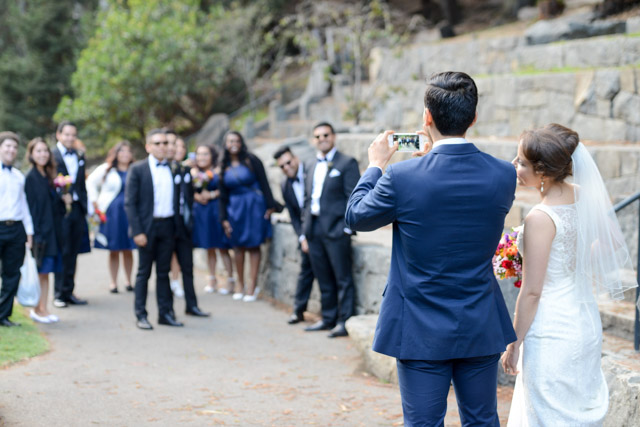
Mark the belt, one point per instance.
(158, 219)
(9, 222)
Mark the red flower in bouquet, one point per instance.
(201, 179)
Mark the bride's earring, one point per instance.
(542, 185)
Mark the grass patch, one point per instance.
(22, 342)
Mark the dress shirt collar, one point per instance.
(299, 176)
(450, 141)
(329, 157)
(153, 162)
(63, 150)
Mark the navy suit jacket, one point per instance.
(448, 207)
(79, 186)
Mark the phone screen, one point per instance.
(407, 142)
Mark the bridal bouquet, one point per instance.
(508, 261)
(62, 183)
(201, 180)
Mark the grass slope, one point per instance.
(22, 342)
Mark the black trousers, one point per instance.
(73, 226)
(160, 245)
(331, 263)
(304, 285)
(12, 249)
(184, 252)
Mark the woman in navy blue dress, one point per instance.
(207, 229)
(246, 205)
(105, 189)
(47, 208)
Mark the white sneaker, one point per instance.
(209, 289)
(238, 296)
(223, 291)
(53, 318)
(177, 289)
(42, 319)
(249, 298)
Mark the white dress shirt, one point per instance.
(319, 174)
(298, 186)
(71, 163)
(13, 200)
(450, 141)
(162, 188)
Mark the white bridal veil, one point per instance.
(602, 255)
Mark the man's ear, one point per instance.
(427, 118)
(474, 119)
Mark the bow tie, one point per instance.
(163, 164)
(7, 167)
(70, 152)
(296, 179)
(322, 159)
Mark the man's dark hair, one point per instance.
(327, 124)
(170, 131)
(451, 98)
(281, 151)
(64, 123)
(9, 135)
(155, 132)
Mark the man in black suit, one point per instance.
(328, 186)
(151, 208)
(183, 193)
(72, 163)
(293, 194)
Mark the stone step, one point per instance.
(618, 317)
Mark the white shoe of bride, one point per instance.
(238, 296)
(41, 319)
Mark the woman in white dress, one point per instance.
(572, 247)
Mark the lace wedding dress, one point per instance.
(561, 382)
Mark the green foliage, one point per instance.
(22, 342)
(39, 44)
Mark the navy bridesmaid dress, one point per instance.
(246, 208)
(116, 228)
(207, 229)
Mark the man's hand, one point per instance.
(29, 241)
(304, 245)
(428, 145)
(68, 199)
(226, 225)
(268, 213)
(379, 151)
(140, 240)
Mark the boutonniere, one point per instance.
(329, 165)
(174, 167)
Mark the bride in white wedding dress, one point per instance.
(572, 248)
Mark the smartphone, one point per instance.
(407, 142)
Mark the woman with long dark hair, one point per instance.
(47, 208)
(207, 229)
(246, 205)
(105, 189)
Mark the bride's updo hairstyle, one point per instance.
(549, 150)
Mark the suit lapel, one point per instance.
(335, 161)
(62, 167)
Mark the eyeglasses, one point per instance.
(325, 135)
(165, 142)
(285, 164)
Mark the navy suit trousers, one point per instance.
(424, 386)
(12, 249)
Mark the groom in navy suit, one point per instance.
(442, 316)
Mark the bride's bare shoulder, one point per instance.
(538, 221)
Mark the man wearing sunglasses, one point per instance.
(293, 194)
(328, 185)
(151, 209)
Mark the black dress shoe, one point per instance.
(129, 288)
(143, 323)
(113, 290)
(73, 300)
(338, 331)
(169, 320)
(195, 311)
(295, 318)
(319, 326)
(8, 323)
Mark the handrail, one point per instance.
(623, 204)
(626, 202)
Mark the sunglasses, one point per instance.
(165, 142)
(326, 135)
(285, 164)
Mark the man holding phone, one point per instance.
(442, 316)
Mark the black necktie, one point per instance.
(7, 167)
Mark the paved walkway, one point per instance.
(243, 366)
